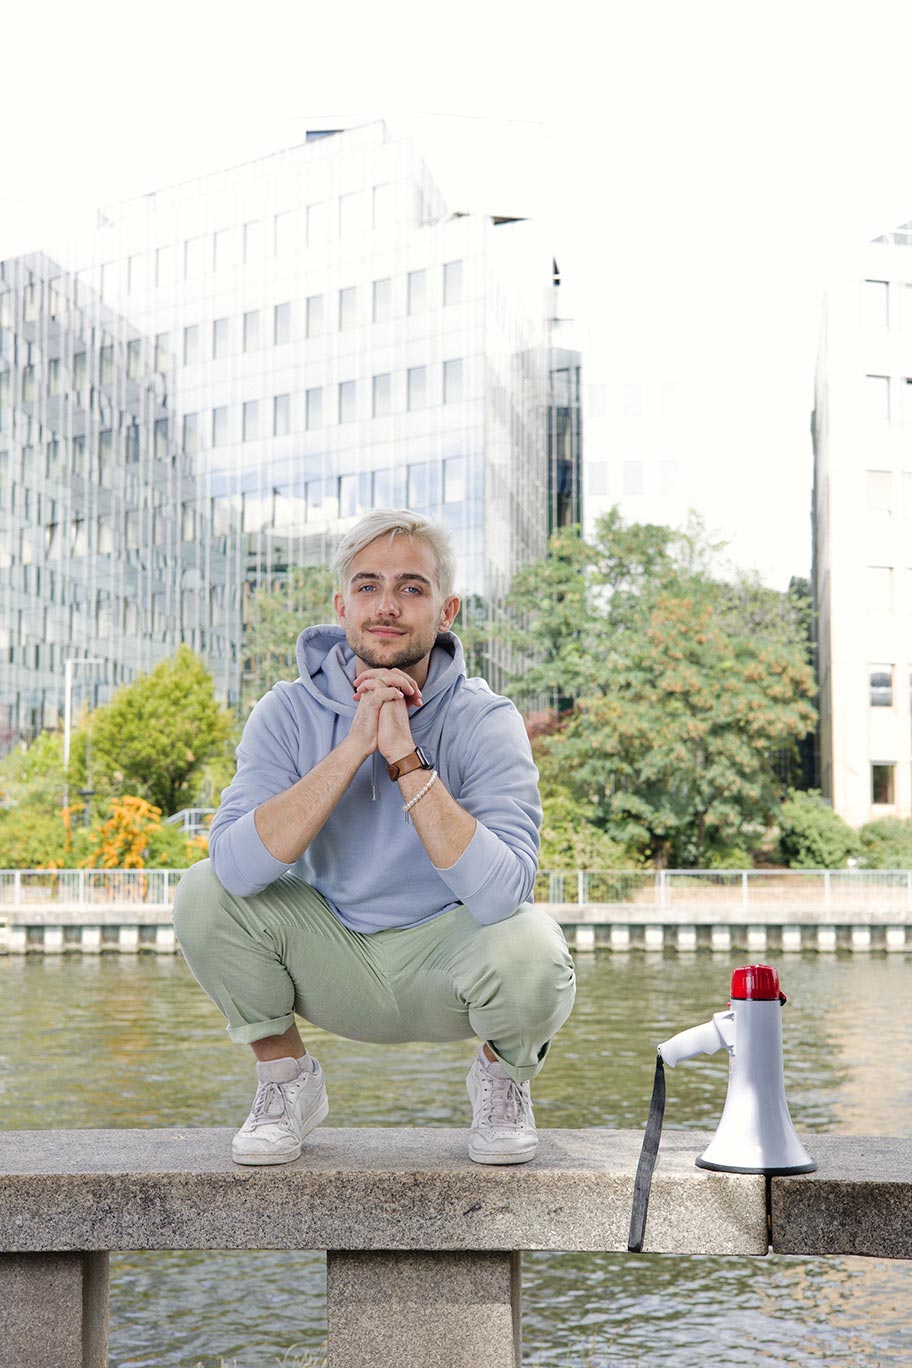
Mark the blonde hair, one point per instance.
(397, 522)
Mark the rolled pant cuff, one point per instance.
(248, 1035)
(521, 1073)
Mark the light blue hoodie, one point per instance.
(367, 861)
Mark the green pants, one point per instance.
(283, 951)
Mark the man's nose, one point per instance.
(388, 605)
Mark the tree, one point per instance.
(275, 619)
(135, 837)
(156, 735)
(683, 686)
(812, 835)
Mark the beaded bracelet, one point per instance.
(407, 807)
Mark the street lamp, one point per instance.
(70, 666)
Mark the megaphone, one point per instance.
(755, 1134)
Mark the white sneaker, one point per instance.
(290, 1102)
(503, 1127)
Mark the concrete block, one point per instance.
(654, 937)
(424, 1309)
(53, 940)
(619, 937)
(861, 938)
(54, 1309)
(366, 1188)
(90, 940)
(858, 1202)
(17, 940)
(686, 939)
(585, 938)
(895, 938)
(128, 940)
(791, 938)
(756, 940)
(826, 938)
(165, 940)
(721, 938)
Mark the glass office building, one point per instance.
(306, 337)
(107, 554)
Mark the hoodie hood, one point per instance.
(327, 665)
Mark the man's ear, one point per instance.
(448, 613)
(339, 605)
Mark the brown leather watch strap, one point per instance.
(415, 759)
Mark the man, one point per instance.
(371, 862)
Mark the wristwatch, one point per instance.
(415, 759)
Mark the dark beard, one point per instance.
(409, 654)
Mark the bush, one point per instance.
(570, 840)
(887, 843)
(812, 835)
(32, 838)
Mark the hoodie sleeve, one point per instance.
(266, 765)
(495, 874)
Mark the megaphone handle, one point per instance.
(643, 1181)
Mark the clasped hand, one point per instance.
(381, 722)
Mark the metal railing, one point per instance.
(760, 890)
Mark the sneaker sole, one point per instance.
(283, 1156)
(501, 1157)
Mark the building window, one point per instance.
(251, 330)
(879, 490)
(419, 485)
(281, 415)
(350, 500)
(882, 784)
(383, 300)
(163, 356)
(877, 398)
(314, 408)
(417, 291)
(314, 315)
(221, 336)
(349, 214)
(220, 426)
(106, 372)
(452, 381)
(417, 387)
(875, 304)
(347, 400)
(881, 684)
(313, 497)
(194, 257)
(879, 588)
(317, 224)
(452, 283)
(164, 266)
(221, 248)
(454, 479)
(381, 396)
(383, 205)
(281, 324)
(134, 360)
(633, 477)
(347, 308)
(80, 370)
(191, 433)
(281, 233)
(251, 420)
(253, 241)
(191, 344)
(382, 489)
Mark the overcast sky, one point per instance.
(706, 167)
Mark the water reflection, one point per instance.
(131, 1041)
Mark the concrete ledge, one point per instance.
(858, 1202)
(365, 1189)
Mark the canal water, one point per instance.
(131, 1041)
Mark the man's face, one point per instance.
(391, 609)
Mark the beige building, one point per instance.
(862, 427)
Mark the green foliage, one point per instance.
(34, 775)
(276, 618)
(683, 686)
(32, 837)
(812, 835)
(155, 736)
(570, 838)
(887, 843)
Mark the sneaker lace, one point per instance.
(507, 1102)
(268, 1105)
